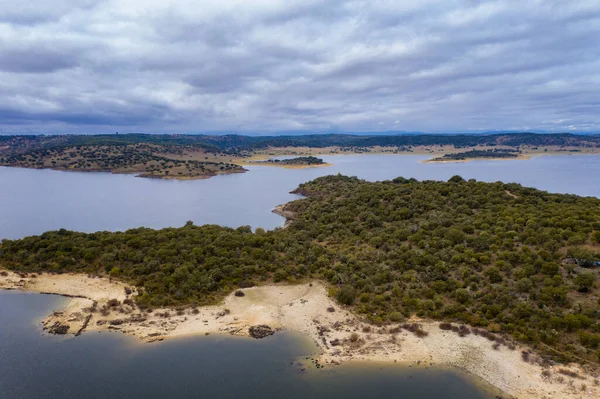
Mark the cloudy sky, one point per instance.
(266, 66)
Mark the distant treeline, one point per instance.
(233, 143)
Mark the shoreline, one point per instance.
(307, 309)
(255, 160)
(140, 174)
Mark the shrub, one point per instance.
(113, 303)
(346, 295)
(396, 317)
(445, 326)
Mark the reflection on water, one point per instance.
(110, 365)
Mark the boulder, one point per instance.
(260, 331)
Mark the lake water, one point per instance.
(110, 365)
(101, 365)
(34, 201)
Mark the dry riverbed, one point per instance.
(101, 304)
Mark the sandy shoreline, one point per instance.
(306, 309)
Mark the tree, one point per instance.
(456, 179)
(346, 295)
(584, 281)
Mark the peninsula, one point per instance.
(488, 276)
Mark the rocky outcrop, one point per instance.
(286, 213)
(260, 331)
(57, 328)
(84, 325)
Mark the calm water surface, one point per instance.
(110, 365)
(34, 201)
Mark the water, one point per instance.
(110, 365)
(34, 201)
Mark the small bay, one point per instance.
(110, 365)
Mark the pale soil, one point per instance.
(307, 309)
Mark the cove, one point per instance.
(102, 365)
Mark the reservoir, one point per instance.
(101, 365)
(35, 201)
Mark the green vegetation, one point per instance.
(296, 161)
(492, 255)
(475, 154)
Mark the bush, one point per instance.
(113, 303)
(396, 317)
(445, 326)
(346, 295)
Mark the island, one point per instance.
(178, 156)
(478, 154)
(495, 278)
(297, 162)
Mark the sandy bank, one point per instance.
(306, 309)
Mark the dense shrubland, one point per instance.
(494, 256)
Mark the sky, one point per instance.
(268, 66)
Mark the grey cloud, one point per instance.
(274, 65)
(36, 60)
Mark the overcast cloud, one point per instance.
(268, 66)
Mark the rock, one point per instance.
(58, 328)
(137, 318)
(260, 331)
(239, 293)
(335, 342)
(331, 309)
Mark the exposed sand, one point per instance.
(307, 309)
